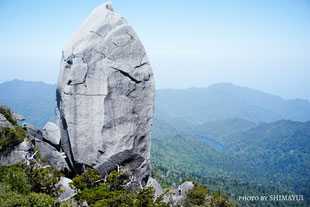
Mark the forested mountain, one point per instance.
(34, 100)
(281, 149)
(227, 101)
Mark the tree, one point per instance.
(43, 180)
(219, 199)
(197, 196)
(10, 137)
(17, 190)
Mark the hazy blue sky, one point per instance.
(261, 44)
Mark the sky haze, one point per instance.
(260, 44)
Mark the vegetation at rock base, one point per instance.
(14, 199)
(197, 196)
(43, 180)
(219, 199)
(6, 112)
(10, 137)
(112, 190)
(28, 186)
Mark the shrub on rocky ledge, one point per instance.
(112, 190)
(28, 186)
(10, 137)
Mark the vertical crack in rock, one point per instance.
(108, 122)
(65, 141)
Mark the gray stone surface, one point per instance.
(18, 117)
(17, 154)
(52, 156)
(67, 191)
(153, 183)
(186, 186)
(105, 95)
(5, 123)
(51, 134)
(33, 132)
(158, 189)
(179, 196)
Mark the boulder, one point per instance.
(105, 95)
(33, 132)
(158, 189)
(153, 183)
(17, 154)
(184, 187)
(67, 192)
(51, 134)
(18, 117)
(52, 156)
(179, 196)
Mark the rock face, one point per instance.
(105, 95)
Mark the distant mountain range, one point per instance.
(227, 101)
(36, 101)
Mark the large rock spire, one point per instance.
(105, 95)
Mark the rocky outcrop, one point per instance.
(33, 132)
(67, 192)
(179, 196)
(50, 153)
(153, 183)
(158, 189)
(18, 117)
(105, 95)
(16, 155)
(25, 151)
(51, 134)
(4, 123)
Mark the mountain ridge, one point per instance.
(225, 101)
(219, 101)
(35, 100)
